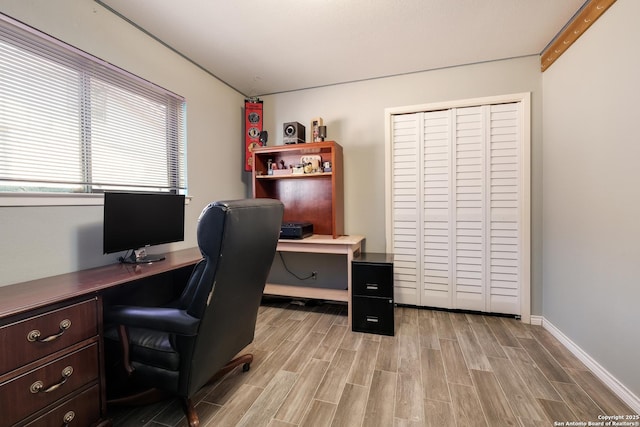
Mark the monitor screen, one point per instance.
(135, 220)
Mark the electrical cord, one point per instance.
(291, 272)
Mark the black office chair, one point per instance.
(181, 347)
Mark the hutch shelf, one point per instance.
(315, 197)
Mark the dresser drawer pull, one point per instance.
(38, 386)
(372, 319)
(34, 336)
(68, 417)
(372, 286)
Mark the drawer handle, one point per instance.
(372, 286)
(34, 336)
(68, 417)
(372, 319)
(38, 386)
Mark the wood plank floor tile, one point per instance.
(444, 325)
(557, 411)
(283, 331)
(563, 356)
(388, 354)
(305, 327)
(476, 318)
(365, 362)
(459, 320)
(380, 406)
(428, 332)
(578, 401)
(516, 390)
(231, 383)
(488, 341)
(599, 393)
(295, 404)
(409, 398)
(236, 407)
(303, 352)
(173, 415)
(545, 361)
(266, 405)
(538, 384)
(351, 340)
(330, 343)
(517, 328)
(454, 363)
(438, 414)
(278, 423)
(493, 400)
(466, 406)
(501, 332)
(320, 414)
(350, 411)
(471, 349)
(409, 352)
(332, 384)
(270, 366)
(434, 379)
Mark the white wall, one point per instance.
(42, 241)
(591, 198)
(354, 116)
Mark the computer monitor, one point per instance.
(133, 221)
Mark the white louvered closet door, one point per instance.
(456, 207)
(405, 207)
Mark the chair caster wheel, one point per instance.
(246, 367)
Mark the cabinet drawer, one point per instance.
(373, 315)
(80, 411)
(372, 279)
(44, 385)
(33, 338)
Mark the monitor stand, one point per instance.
(140, 256)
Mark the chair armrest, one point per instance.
(171, 320)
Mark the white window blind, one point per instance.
(72, 123)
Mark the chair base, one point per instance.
(154, 395)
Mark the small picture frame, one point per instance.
(315, 134)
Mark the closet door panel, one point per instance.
(405, 208)
(436, 196)
(505, 194)
(469, 205)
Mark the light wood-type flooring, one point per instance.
(440, 369)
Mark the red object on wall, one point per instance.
(253, 127)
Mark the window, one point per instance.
(72, 123)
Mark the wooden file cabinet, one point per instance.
(372, 294)
(51, 374)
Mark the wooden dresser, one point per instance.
(51, 346)
(50, 374)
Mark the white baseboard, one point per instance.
(536, 320)
(605, 376)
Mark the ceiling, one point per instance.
(261, 47)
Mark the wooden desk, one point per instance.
(350, 246)
(69, 306)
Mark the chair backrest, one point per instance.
(238, 241)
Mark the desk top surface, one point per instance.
(22, 297)
(25, 296)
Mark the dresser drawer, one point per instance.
(81, 411)
(33, 391)
(33, 338)
(372, 279)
